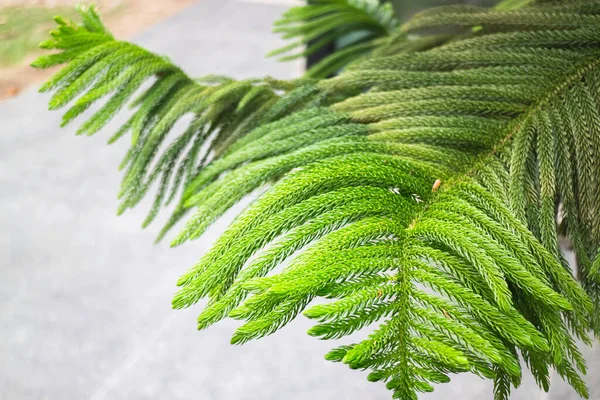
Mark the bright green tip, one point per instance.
(336, 355)
(238, 338)
(315, 331)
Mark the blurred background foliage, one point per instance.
(406, 8)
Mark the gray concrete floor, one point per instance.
(85, 297)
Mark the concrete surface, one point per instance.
(85, 297)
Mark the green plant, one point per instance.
(21, 29)
(419, 189)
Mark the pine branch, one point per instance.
(438, 162)
(355, 26)
(223, 109)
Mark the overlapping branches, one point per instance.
(418, 189)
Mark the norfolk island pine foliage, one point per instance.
(419, 178)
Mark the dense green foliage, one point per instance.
(422, 189)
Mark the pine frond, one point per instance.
(355, 26)
(418, 190)
(101, 68)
